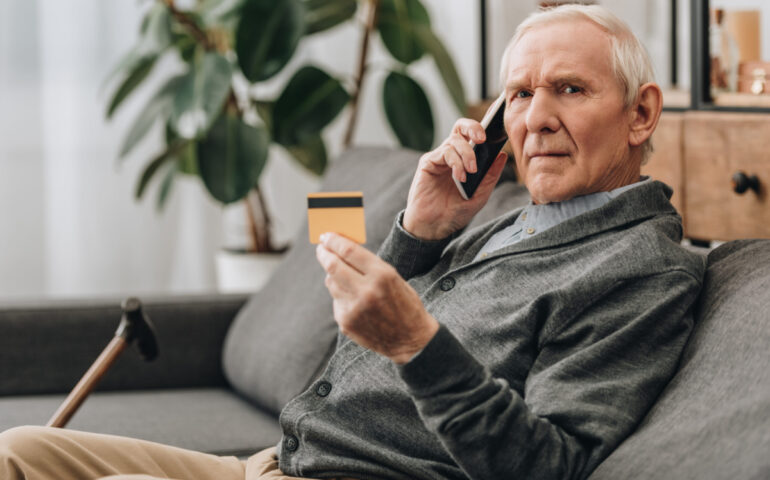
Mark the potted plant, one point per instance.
(218, 129)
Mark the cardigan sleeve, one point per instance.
(593, 380)
(409, 255)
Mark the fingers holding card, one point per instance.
(338, 212)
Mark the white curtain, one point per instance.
(70, 225)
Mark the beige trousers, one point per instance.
(43, 453)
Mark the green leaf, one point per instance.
(445, 65)
(201, 95)
(267, 36)
(186, 46)
(396, 22)
(231, 158)
(159, 106)
(408, 111)
(155, 37)
(311, 154)
(186, 157)
(134, 79)
(310, 101)
(126, 63)
(152, 167)
(265, 111)
(165, 186)
(322, 15)
(171, 135)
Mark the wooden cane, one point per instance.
(86, 384)
(134, 325)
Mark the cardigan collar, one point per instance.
(643, 202)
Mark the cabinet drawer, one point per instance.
(716, 146)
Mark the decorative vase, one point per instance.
(243, 272)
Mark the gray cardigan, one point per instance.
(550, 351)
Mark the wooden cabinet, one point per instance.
(716, 147)
(698, 153)
(666, 163)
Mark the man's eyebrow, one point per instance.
(568, 79)
(557, 79)
(514, 85)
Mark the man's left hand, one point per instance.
(373, 305)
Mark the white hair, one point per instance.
(630, 61)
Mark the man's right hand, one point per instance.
(435, 209)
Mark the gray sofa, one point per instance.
(228, 363)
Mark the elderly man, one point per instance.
(527, 348)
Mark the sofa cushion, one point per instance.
(295, 336)
(713, 419)
(211, 420)
(275, 348)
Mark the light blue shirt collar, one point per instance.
(535, 219)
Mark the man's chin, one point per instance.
(551, 194)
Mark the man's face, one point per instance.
(564, 113)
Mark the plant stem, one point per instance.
(256, 233)
(267, 230)
(260, 225)
(258, 218)
(371, 19)
(232, 103)
(198, 34)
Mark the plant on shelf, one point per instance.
(218, 129)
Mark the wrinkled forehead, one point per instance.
(575, 47)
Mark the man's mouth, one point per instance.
(548, 154)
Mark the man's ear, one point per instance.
(645, 114)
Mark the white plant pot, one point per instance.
(245, 272)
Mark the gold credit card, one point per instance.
(337, 212)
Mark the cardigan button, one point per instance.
(291, 443)
(447, 284)
(323, 389)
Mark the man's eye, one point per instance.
(572, 89)
(523, 94)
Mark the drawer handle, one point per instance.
(743, 182)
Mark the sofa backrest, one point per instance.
(282, 337)
(713, 419)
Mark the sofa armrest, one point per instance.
(46, 346)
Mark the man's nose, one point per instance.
(542, 115)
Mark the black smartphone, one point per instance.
(486, 152)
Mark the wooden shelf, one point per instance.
(676, 98)
(742, 100)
